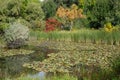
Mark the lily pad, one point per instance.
(12, 52)
(72, 54)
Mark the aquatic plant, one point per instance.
(12, 52)
(83, 35)
(72, 54)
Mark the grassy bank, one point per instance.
(83, 35)
(61, 77)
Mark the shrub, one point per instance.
(22, 21)
(108, 27)
(16, 35)
(3, 26)
(38, 25)
(52, 24)
(81, 23)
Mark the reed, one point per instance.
(83, 35)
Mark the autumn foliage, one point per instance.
(52, 24)
(70, 13)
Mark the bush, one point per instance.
(80, 23)
(16, 35)
(23, 21)
(3, 26)
(38, 25)
(33, 12)
(52, 24)
(49, 7)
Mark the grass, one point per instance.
(83, 35)
(24, 78)
(61, 77)
(98, 76)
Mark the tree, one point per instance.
(99, 12)
(67, 3)
(49, 7)
(28, 10)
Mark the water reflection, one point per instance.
(11, 67)
(40, 75)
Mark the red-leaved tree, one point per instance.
(52, 24)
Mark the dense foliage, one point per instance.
(88, 49)
(68, 15)
(16, 35)
(49, 7)
(52, 24)
(100, 12)
(67, 3)
(29, 11)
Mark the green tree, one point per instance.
(100, 12)
(49, 7)
(28, 10)
(67, 3)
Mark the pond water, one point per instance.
(12, 66)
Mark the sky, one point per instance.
(41, 0)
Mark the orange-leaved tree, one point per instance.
(68, 15)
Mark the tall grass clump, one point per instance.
(53, 77)
(62, 77)
(61, 35)
(83, 35)
(75, 37)
(116, 37)
(38, 35)
(25, 78)
(54, 36)
(92, 36)
(80, 36)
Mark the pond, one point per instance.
(12, 66)
(59, 56)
